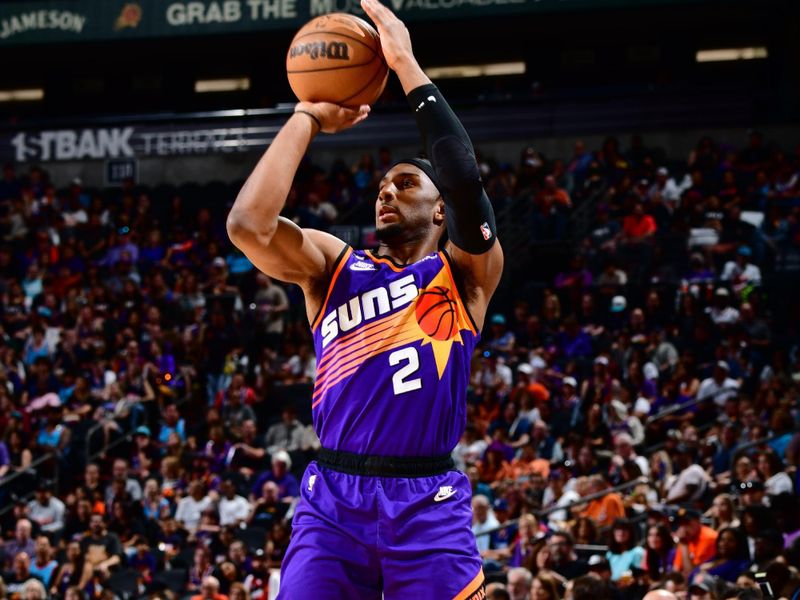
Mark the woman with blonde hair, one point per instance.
(522, 551)
(660, 471)
(33, 589)
(723, 512)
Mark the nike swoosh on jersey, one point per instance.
(362, 266)
(444, 494)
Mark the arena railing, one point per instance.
(33, 471)
(765, 440)
(582, 500)
(681, 407)
(127, 435)
(29, 471)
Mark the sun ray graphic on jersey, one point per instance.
(435, 318)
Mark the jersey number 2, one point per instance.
(400, 383)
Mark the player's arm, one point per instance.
(470, 219)
(275, 245)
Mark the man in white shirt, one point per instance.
(233, 509)
(721, 312)
(494, 374)
(191, 508)
(623, 444)
(555, 495)
(664, 188)
(470, 448)
(719, 384)
(741, 272)
(483, 519)
(285, 435)
(119, 470)
(691, 481)
(46, 510)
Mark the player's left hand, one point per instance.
(395, 39)
(332, 117)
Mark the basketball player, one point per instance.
(383, 509)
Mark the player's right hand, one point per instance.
(395, 39)
(332, 117)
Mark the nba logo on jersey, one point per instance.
(487, 233)
(311, 481)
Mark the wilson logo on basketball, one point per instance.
(315, 50)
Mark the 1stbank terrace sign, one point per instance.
(88, 20)
(128, 142)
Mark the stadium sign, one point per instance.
(89, 20)
(127, 142)
(41, 20)
(120, 170)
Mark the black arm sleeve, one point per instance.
(469, 214)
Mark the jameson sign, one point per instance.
(42, 20)
(129, 142)
(87, 20)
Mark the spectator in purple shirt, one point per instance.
(21, 542)
(5, 461)
(572, 341)
(288, 487)
(217, 449)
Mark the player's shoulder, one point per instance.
(325, 241)
(332, 248)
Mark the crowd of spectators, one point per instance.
(149, 444)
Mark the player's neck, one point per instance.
(407, 252)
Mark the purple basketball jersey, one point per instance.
(393, 348)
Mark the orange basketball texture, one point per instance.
(337, 58)
(436, 313)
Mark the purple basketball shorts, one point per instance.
(357, 537)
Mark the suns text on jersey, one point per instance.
(366, 306)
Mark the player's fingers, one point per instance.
(353, 113)
(369, 9)
(359, 116)
(358, 119)
(363, 113)
(376, 11)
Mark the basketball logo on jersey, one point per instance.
(436, 313)
(439, 318)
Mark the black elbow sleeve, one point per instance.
(468, 212)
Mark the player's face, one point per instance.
(408, 204)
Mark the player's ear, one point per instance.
(438, 215)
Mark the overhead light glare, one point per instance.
(728, 54)
(23, 95)
(240, 84)
(487, 70)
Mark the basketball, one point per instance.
(337, 58)
(436, 313)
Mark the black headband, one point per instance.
(423, 165)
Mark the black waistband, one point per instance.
(385, 466)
